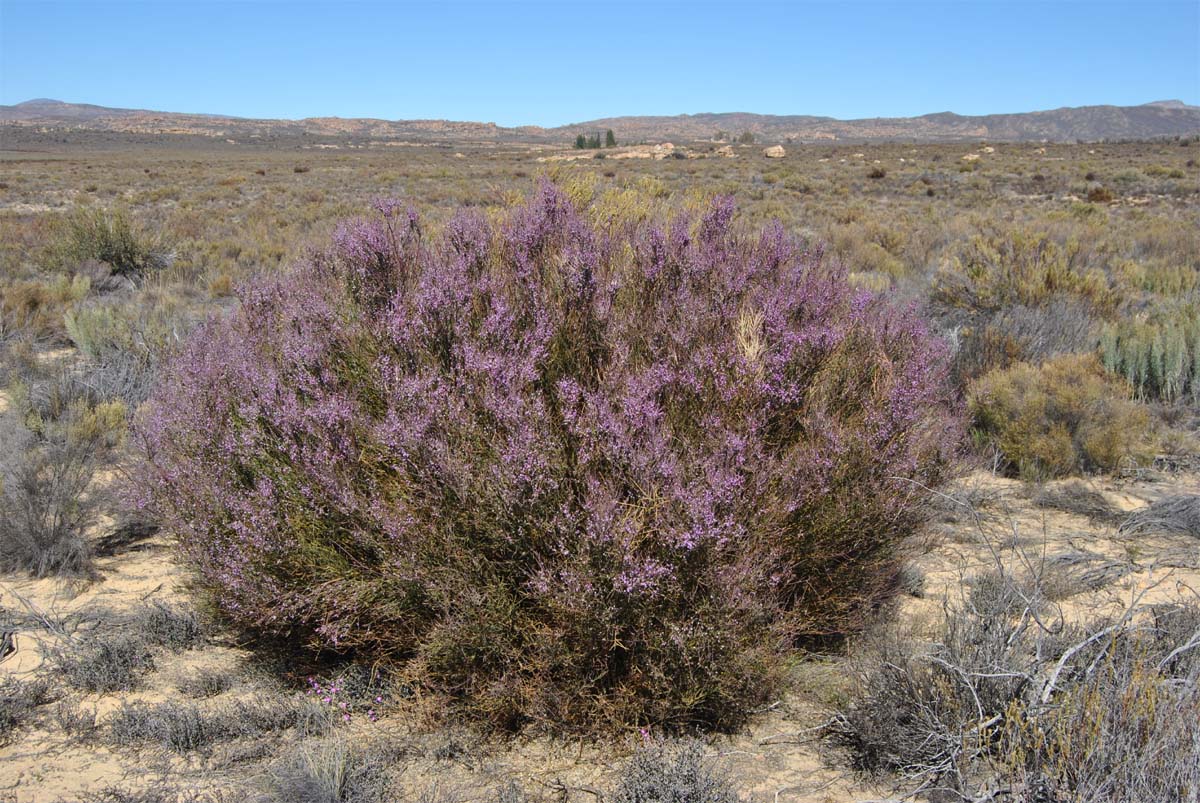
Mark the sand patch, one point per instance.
(778, 757)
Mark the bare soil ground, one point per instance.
(781, 757)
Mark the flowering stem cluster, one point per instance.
(342, 707)
(566, 474)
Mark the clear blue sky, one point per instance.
(550, 63)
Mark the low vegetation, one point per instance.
(333, 770)
(106, 662)
(187, 727)
(1077, 498)
(677, 772)
(45, 477)
(1010, 696)
(1176, 513)
(114, 653)
(607, 457)
(19, 699)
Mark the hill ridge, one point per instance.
(1161, 118)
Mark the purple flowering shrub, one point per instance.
(567, 476)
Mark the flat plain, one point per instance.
(1070, 268)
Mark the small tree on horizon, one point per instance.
(610, 139)
(581, 141)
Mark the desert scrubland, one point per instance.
(344, 470)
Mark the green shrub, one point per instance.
(1160, 356)
(107, 236)
(1061, 418)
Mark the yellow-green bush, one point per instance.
(99, 329)
(103, 423)
(1061, 418)
(1156, 275)
(1003, 268)
(35, 308)
(107, 236)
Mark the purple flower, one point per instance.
(657, 442)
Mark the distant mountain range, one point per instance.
(1090, 123)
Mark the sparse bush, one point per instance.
(105, 662)
(912, 713)
(107, 236)
(124, 344)
(180, 728)
(118, 650)
(205, 683)
(18, 699)
(75, 722)
(1076, 571)
(45, 503)
(1124, 731)
(1177, 514)
(510, 793)
(186, 727)
(1064, 417)
(18, 358)
(170, 626)
(56, 434)
(155, 792)
(1106, 712)
(331, 771)
(1008, 268)
(1077, 498)
(672, 772)
(571, 477)
(1022, 334)
(35, 308)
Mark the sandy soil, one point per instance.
(779, 758)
